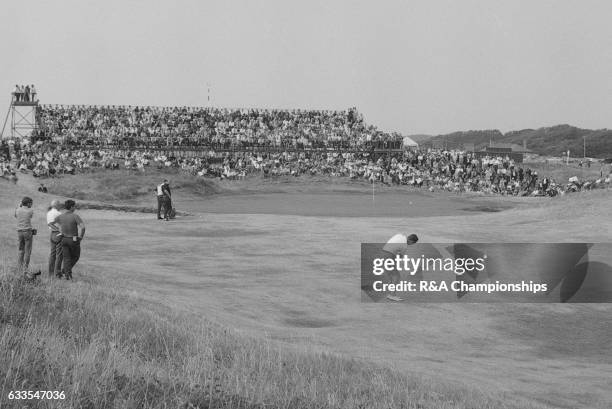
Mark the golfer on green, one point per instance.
(397, 245)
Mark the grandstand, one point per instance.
(196, 128)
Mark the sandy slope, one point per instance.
(296, 279)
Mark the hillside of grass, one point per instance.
(107, 349)
(126, 185)
(123, 186)
(549, 141)
(561, 172)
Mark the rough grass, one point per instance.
(590, 205)
(107, 349)
(561, 172)
(125, 185)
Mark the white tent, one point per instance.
(409, 143)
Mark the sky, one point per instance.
(414, 67)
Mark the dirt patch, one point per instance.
(308, 323)
(487, 209)
(222, 233)
(122, 208)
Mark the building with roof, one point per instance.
(514, 151)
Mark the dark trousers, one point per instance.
(55, 254)
(71, 251)
(160, 202)
(167, 203)
(25, 249)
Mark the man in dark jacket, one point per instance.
(167, 199)
(72, 231)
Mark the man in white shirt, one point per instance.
(160, 199)
(17, 93)
(55, 242)
(398, 245)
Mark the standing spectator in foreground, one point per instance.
(24, 214)
(72, 231)
(55, 240)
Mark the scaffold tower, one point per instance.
(22, 113)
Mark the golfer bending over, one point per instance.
(398, 245)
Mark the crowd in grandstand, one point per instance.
(234, 143)
(453, 171)
(226, 129)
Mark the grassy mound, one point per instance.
(125, 185)
(107, 349)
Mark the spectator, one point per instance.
(72, 231)
(18, 93)
(55, 241)
(25, 232)
(167, 199)
(161, 198)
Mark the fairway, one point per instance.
(294, 277)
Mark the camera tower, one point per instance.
(23, 118)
